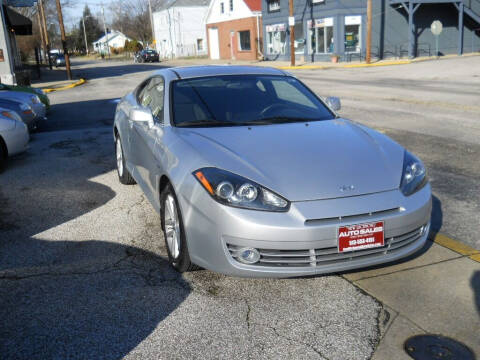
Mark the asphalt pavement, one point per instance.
(83, 271)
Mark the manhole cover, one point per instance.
(436, 347)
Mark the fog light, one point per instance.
(248, 255)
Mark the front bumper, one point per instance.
(302, 241)
(17, 139)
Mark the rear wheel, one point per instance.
(123, 174)
(174, 233)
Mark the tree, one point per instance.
(92, 28)
(133, 18)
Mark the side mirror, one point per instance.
(142, 116)
(334, 103)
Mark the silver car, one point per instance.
(30, 99)
(13, 135)
(254, 175)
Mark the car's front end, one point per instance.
(16, 135)
(304, 240)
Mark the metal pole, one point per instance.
(460, 28)
(64, 41)
(105, 29)
(85, 34)
(368, 55)
(436, 46)
(410, 30)
(44, 25)
(292, 35)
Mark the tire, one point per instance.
(123, 174)
(3, 155)
(175, 241)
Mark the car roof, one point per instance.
(213, 70)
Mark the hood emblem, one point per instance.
(345, 188)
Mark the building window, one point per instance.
(231, 5)
(353, 37)
(299, 43)
(321, 36)
(273, 5)
(199, 44)
(244, 40)
(276, 36)
(222, 8)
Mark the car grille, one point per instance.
(325, 256)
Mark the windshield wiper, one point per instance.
(201, 123)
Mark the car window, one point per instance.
(152, 96)
(288, 92)
(233, 100)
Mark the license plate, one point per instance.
(360, 236)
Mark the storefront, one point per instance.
(353, 34)
(320, 34)
(276, 36)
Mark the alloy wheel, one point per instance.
(172, 226)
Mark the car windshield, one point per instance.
(236, 100)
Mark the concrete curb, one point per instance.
(457, 246)
(66, 87)
(311, 67)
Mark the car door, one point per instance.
(144, 138)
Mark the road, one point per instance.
(83, 273)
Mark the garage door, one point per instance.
(213, 43)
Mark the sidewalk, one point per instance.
(437, 292)
(53, 78)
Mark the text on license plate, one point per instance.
(360, 236)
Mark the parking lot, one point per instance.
(83, 270)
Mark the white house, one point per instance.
(115, 39)
(179, 28)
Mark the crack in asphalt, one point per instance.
(310, 346)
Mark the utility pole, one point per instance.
(85, 33)
(292, 33)
(106, 33)
(368, 56)
(64, 40)
(42, 37)
(151, 20)
(45, 30)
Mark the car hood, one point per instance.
(318, 160)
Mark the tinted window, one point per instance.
(244, 100)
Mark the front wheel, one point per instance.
(174, 233)
(3, 156)
(123, 174)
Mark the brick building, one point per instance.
(234, 29)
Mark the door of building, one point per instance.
(213, 43)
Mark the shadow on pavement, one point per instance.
(113, 70)
(475, 283)
(79, 115)
(83, 299)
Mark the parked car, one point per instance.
(59, 60)
(146, 55)
(31, 99)
(255, 175)
(24, 110)
(28, 89)
(14, 135)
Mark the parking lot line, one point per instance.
(457, 246)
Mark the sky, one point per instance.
(73, 14)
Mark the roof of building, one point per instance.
(111, 36)
(182, 3)
(187, 72)
(254, 5)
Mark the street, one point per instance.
(83, 269)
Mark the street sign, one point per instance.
(291, 21)
(436, 27)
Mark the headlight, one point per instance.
(414, 175)
(35, 99)
(234, 190)
(25, 107)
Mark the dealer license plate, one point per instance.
(360, 236)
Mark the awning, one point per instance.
(20, 24)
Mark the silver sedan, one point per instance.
(14, 135)
(254, 175)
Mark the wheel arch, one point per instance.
(3, 145)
